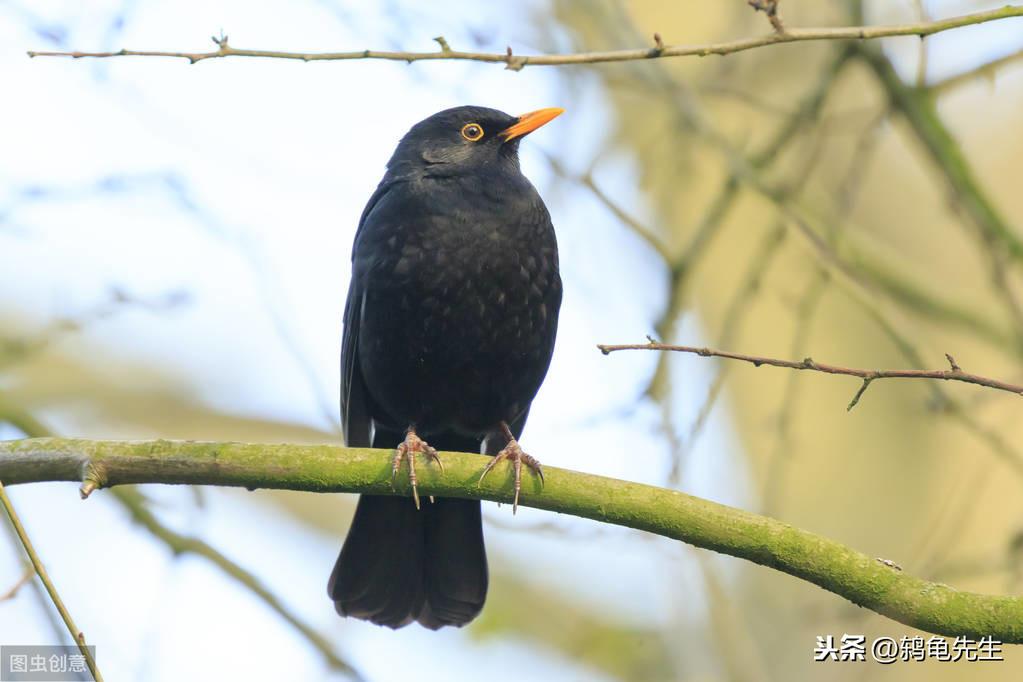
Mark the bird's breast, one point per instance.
(459, 310)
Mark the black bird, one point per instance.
(448, 333)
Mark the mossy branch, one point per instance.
(137, 508)
(869, 582)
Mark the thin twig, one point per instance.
(922, 53)
(939, 396)
(587, 180)
(22, 581)
(517, 62)
(808, 112)
(682, 268)
(179, 544)
(781, 452)
(867, 375)
(986, 70)
(118, 300)
(44, 577)
(921, 114)
(743, 298)
(848, 192)
(770, 8)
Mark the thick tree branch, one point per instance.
(132, 501)
(954, 373)
(863, 580)
(517, 62)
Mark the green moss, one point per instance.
(859, 578)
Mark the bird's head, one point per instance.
(467, 138)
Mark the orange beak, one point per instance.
(527, 123)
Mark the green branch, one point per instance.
(134, 503)
(868, 582)
(51, 589)
(921, 113)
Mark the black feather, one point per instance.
(449, 328)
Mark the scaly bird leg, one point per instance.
(407, 449)
(513, 452)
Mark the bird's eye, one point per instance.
(472, 132)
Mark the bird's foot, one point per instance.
(517, 456)
(408, 449)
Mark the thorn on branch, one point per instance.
(515, 63)
(442, 41)
(770, 8)
(808, 363)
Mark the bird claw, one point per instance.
(514, 453)
(407, 449)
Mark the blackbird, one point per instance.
(448, 333)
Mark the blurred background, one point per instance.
(174, 252)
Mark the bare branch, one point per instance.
(179, 544)
(517, 62)
(587, 180)
(44, 577)
(132, 502)
(920, 112)
(868, 375)
(26, 576)
(987, 70)
(770, 8)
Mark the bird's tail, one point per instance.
(401, 564)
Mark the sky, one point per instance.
(235, 186)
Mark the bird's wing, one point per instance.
(356, 422)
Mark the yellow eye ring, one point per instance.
(473, 132)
